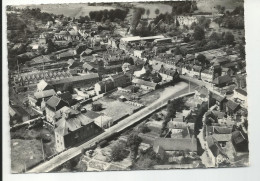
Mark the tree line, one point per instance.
(112, 15)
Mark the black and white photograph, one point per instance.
(127, 86)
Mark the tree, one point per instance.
(215, 37)
(137, 14)
(221, 9)
(96, 106)
(202, 59)
(177, 23)
(68, 87)
(171, 110)
(118, 152)
(133, 142)
(229, 38)
(199, 33)
(242, 52)
(157, 11)
(148, 13)
(144, 129)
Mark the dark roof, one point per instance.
(66, 96)
(218, 130)
(54, 102)
(222, 79)
(72, 123)
(214, 146)
(170, 144)
(238, 137)
(241, 91)
(232, 105)
(91, 114)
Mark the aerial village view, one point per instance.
(127, 86)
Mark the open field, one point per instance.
(25, 153)
(114, 108)
(208, 5)
(71, 10)
(26, 147)
(152, 7)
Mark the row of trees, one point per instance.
(112, 15)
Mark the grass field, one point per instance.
(152, 7)
(208, 5)
(71, 10)
(114, 108)
(25, 153)
(26, 149)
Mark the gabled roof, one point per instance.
(222, 79)
(238, 137)
(66, 96)
(215, 147)
(222, 137)
(241, 91)
(72, 123)
(232, 105)
(170, 144)
(42, 85)
(54, 102)
(143, 82)
(44, 94)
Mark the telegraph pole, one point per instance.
(43, 155)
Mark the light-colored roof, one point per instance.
(43, 94)
(170, 144)
(143, 82)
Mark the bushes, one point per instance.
(45, 138)
(118, 152)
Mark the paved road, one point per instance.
(58, 160)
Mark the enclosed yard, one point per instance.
(27, 145)
(24, 154)
(114, 108)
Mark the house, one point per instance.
(139, 53)
(147, 85)
(218, 100)
(222, 81)
(121, 80)
(103, 121)
(80, 48)
(216, 152)
(104, 86)
(76, 81)
(72, 128)
(222, 139)
(89, 68)
(232, 107)
(43, 86)
(18, 114)
(202, 93)
(39, 98)
(70, 53)
(241, 95)
(179, 144)
(240, 141)
(52, 109)
(206, 75)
